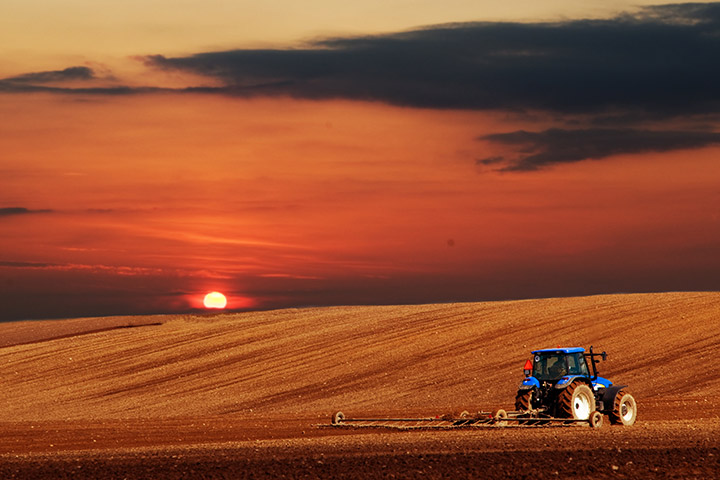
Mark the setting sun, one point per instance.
(215, 300)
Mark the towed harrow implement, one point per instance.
(500, 418)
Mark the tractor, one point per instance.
(559, 384)
(558, 389)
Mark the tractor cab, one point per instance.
(558, 367)
(553, 365)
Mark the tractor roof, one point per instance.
(560, 350)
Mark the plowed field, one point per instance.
(241, 395)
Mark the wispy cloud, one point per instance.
(10, 211)
(121, 270)
(8, 264)
(22, 87)
(558, 146)
(70, 73)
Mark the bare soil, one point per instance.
(250, 395)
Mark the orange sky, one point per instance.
(114, 204)
(279, 202)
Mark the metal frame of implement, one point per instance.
(500, 418)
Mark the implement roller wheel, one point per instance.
(499, 418)
(338, 418)
(624, 410)
(596, 419)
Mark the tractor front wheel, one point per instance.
(624, 410)
(576, 401)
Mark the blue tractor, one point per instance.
(563, 383)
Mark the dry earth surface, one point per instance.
(241, 395)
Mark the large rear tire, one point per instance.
(523, 403)
(624, 410)
(523, 400)
(576, 401)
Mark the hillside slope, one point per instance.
(364, 359)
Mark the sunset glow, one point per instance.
(359, 167)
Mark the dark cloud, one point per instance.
(558, 146)
(632, 70)
(662, 60)
(7, 211)
(70, 73)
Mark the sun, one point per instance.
(215, 300)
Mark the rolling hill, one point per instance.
(371, 359)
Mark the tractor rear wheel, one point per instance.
(624, 410)
(523, 400)
(523, 403)
(576, 401)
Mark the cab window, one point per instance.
(549, 366)
(577, 365)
